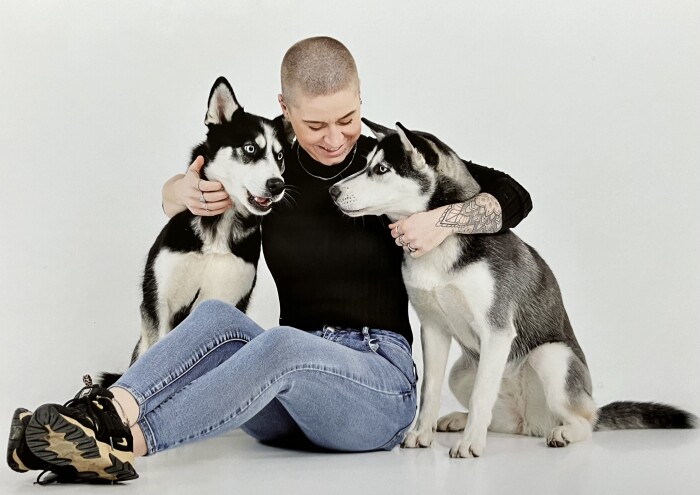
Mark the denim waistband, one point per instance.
(332, 332)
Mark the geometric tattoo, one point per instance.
(479, 215)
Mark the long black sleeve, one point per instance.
(514, 199)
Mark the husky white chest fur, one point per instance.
(522, 369)
(437, 291)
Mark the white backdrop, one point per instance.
(593, 108)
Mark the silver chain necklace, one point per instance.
(354, 150)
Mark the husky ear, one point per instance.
(222, 103)
(413, 142)
(284, 129)
(378, 130)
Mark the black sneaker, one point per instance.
(19, 457)
(84, 440)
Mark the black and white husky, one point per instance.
(197, 258)
(521, 369)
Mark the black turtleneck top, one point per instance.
(331, 269)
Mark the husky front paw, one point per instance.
(455, 421)
(557, 438)
(468, 446)
(417, 438)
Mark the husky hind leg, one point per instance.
(461, 382)
(567, 390)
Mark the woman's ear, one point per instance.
(283, 106)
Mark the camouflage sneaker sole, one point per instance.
(17, 430)
(62, 441)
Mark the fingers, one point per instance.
(195, 181)
(205, 198)
(396, 228)
(407, 246)
(197, 165)
(209, 197)
(412, 251)
(208, 185)
(210, 210)
(404, 242)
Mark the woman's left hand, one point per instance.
(418, 234)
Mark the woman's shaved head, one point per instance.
(317, 66)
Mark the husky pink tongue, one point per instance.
(262, 201)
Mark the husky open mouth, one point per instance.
(258, 202)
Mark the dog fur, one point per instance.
(521, 369)
(195, 258)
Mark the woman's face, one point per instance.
(327, 127)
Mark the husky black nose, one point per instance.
(275, 186)
(335, 192)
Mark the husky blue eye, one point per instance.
(249, 148)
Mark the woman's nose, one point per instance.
(334, 137)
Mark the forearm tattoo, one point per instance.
(479, 215)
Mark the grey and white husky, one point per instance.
(197, 258)
(521, 369)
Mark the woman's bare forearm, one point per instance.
(479, 215)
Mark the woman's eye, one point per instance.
(249, 148)
(280, 155)
(315, 128)
(346, 123)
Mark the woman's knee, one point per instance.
(282, 338)
(218, 307)
(222, 318)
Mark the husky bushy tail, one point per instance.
(629, 415)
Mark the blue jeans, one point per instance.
(345, 390)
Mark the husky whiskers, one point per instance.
(521, 369)
(197, 258)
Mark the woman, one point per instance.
(338, 371)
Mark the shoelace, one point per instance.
(84, 397)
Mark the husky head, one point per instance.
(242, 151)
(407, 172)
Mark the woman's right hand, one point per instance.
(201, 197)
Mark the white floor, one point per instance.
(631, 462)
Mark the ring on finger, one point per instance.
(400, 238)
(411, 248)
(201, 198)
(398, 232)
(206, 206)
(198, 183)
